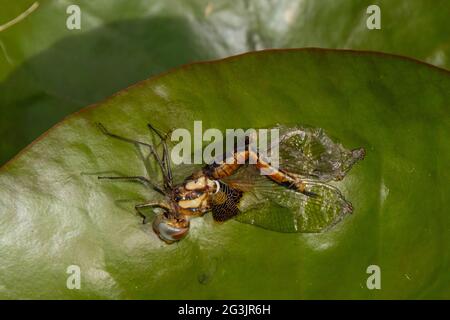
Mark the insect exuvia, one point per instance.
(210, 189)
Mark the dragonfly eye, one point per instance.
(169, 229)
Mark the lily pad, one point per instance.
(55, 213)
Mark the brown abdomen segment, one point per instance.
(219, 171)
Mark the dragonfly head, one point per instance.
(170, 229)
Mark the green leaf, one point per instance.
(49, 71)
(55, 213)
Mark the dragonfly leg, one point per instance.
(167, 184)
(138, 208)
(140, 179)
(165, 157)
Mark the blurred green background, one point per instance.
(48, 71)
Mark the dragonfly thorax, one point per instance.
(192, 196)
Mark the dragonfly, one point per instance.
(296, 197)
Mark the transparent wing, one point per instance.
(309, 152)
(270, 206)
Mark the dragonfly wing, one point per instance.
(267, 205)
(310, 152)
(224, 203)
